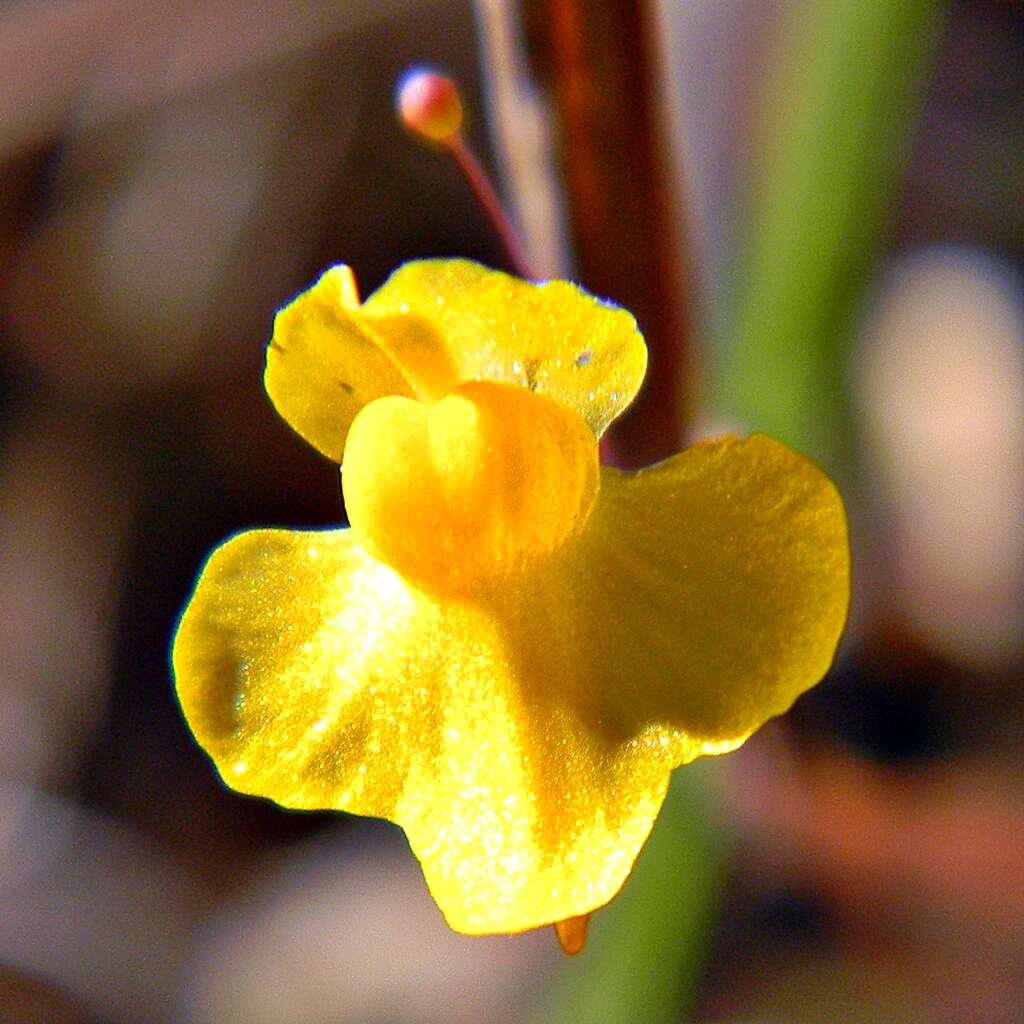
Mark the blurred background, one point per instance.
(815, 209)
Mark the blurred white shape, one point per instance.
(26, 745)
(164, 50)
(714, 54)
(46, 52)
(942, 387)
(171, 230)
(126, 55)
(522, 134)
(65, 507)
(349, 934)
(92, 908)
(206, 140)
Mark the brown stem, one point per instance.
(600, 58)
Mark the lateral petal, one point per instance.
(715, 586)
(316, 677)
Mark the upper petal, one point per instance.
(436, 324)
(323, 365)
(316, 677)
(715, 586)
(553, 337)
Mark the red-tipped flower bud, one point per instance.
(429, 104)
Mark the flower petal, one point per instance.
(287, 660)
(316, 677)
(553, 337)
(523, 740)
(323, 366)
(715, 586)
(477, 486)
(436, 324)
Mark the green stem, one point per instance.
(837, 119)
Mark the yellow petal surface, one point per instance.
(552, 338)
(315, 676)
(480, 484)
(323, 366)
(725, 572)
(436, 324)
(523, 739)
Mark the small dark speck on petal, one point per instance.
(584, 357)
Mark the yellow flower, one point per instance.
(511, 646)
